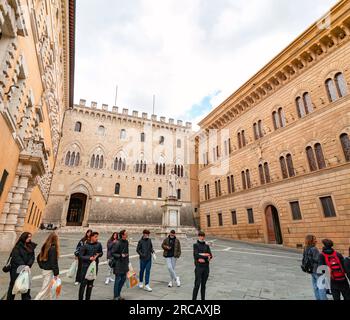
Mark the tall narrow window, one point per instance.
(142, 137)
(239, 140)
(319, 156)
(92, 162)
(244, 142)
(101, 130)
(77, 127)
(72, 159)
(261, 174)
(208, 221)
(178, 194)
(139, 191)
(256, 132)
(161, 140)
(216, 189)
(341, 85)
(117, 188)
(345, 142)
(234, 217)
(283, 168)
(311, 159)
(228, 185)
(244, 183)
(250, 216)
(260, 129)
(282, 117)
(3, 181)
(300, 107)
(275, 120)
(208, 190)
(331, 90)
(229, 146)
(122, 134)
(220, 219)
(159, 192)
(328, 207)
(77, 159)
(248, 179)
(205, 193)
(67, 161)
(296, 213)
(232, 184)
(290, 165)
(307, 102)
(267, 172)
(101, 162)
(178, 143)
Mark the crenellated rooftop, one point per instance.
(134, 114)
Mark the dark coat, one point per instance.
(121, 264)
(86, 252)
(145, 248)
(51, 263)
(22, 256)
(201, 247)
(314, 255)
(110, 244)
(81, 243)
(177, 248)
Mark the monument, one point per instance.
(171, 208)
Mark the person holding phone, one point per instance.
(120, 254)
(88, 253)
(172, 251)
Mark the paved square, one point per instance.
(239, 271)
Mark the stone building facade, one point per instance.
(36, 86)
(113, 166)
(275, 156)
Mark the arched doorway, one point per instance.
(274, 233)
(76, 209)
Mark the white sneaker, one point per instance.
(141, 285)
(111, 279)
(178, 283)
(148, 288)
(107, 281)
(76, 283)
(170, 284)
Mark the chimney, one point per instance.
(171, 121)
(144, 115)
(93, 104)
(179, 122)
(115, 109)
(154, 117)
(162, 119)
(105, 107)
(82, 102)
(125, 111)
(135, 114)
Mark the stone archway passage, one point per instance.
(76, 209)
(274, 233)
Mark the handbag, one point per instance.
(7, 267)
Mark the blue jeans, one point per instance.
(320, 294)
(118, 284)
(145, 265)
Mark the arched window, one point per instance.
(144, 167)
(256, 133)
(101, 162)
(319, 156)
(311, 159)
(290, 166)
(239, 140)
(244, 183)
(77, 159)
(77, 127)
(345, 142)
(282, 117)
(137, 166)
(117, 188)
(92, 162)
(159, 192)
(101, 130)
(178, 143)
(275, 120)
(157, 171)
(283, 168)
(260, 129)
(66, 162)
(139, 191)
(182, 171)
(161, 140)
(72, 159)
(228, 184)
(267, 172)
(341, 85)
(247, 173)
(142, 137)
(331, 90)
(122, 134)
(261, 174)
(307, 103)
(244, 142)
(97, 161)
(300, 107)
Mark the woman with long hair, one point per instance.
(113, 239)
(311, 257)
(22, 255)
(48, 262)
(81, 243)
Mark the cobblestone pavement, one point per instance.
(239, 271)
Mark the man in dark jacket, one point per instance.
(202, 256)
(145, 251)
(335, 262)
(120, 254)
(88, 253)
(22, 255)
(172, 251)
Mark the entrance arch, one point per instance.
(274, 233)
(76, 209)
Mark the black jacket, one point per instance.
(22, 256)
(198, 248)
(51, 263)
(87, 251)
(110, 244)
(314, 255)
(347, 266)
(121, 264)
(145, 248)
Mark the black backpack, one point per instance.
(307, 264)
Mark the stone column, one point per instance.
(24, 206)
(87, 211)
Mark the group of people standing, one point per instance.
(330, 271)
(89, 250)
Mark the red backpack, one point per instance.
(335, 267)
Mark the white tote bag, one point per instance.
(73, 269)
(22, 283)
(91, 273)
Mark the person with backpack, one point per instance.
(88, 253)
(120, 263)
(48, 262)
(145, 251)
(110, 243)
(310, 264)
(81, 243)
(22, 255)
(202, 256)
(172, 251)
(335, 263)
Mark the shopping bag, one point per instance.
(154, 256)
(22, 283)
(56, 287)
(73, 269)
(91, 273)
(132, 280)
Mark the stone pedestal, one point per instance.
(171, 218)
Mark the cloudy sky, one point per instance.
(192, 54)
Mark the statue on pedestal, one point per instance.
(172, 185)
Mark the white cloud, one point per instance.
(182, 51)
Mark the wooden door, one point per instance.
(270, 226)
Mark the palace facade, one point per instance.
(275, 156)
(36, 87)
